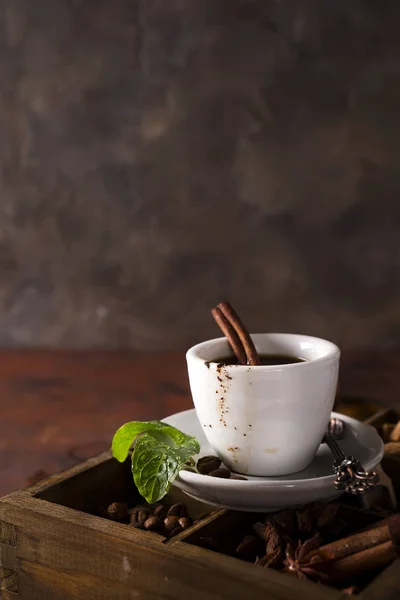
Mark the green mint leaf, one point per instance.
(155, 465)
(159, 454)
(126, 435)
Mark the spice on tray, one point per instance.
(334, 563)
(374, 547)
(153, 523)
(171, 523)
(184, 522)
(304, 543)
(295, 558)
(167, 521)
(331, 543)
(381, 533)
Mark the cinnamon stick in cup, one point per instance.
(230, 334)
(236, 333)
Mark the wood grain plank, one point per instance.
(38, 582)
(60, 540)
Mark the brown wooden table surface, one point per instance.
(59, 407)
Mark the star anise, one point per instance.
(296, 561)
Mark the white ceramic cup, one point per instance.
(265, 420)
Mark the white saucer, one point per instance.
(274, 493)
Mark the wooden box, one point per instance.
(54, 547)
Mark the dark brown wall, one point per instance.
(159, 156)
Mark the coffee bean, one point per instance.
(185, 522)
(206, 464)
(153, 523)
(221, 473)
(170, 523)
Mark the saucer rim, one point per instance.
(272, 482)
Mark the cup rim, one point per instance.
(332, 352)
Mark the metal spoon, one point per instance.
(351, 476)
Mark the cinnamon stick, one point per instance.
(231, 317)
(371, 558)
(230, 335)
(368, 549)
(358, 542)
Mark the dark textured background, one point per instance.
(159, 156)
